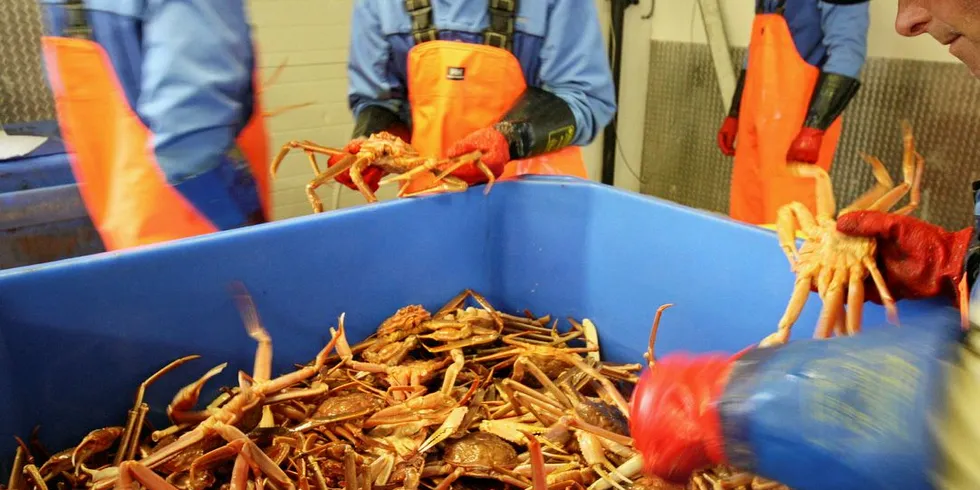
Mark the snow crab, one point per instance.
(836, 265)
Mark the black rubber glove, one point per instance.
(729, 127)
(830, 96)
(540, 122)
(374, 119)
(737, 96)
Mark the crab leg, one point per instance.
(179, 410)
(886, 297)
(833, 304)
(891, 197)
(327, 175)
(431, 165)
(911, 163)
(303, 145)
(826, 205)
(840, 326)
(450, 479)
(855, 300)
(31, 473)
(629, 469)
(239, 473)
(131, 472)
(313, 165)
(262, 370)
(801, 291)
(473, 158)
(94, 443)
(650, 357)
(448, 184)
(916, 194)
(522, 363)
(789, 219)
(883, 184)
(538, 477)
(445, 430)
(450, 377)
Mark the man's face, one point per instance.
(954, 23)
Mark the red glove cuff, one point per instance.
(806, 146)
(674, 418)
(495, 154)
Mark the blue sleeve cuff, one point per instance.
(226, 195)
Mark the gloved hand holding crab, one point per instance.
(889, 408)
(379, 153)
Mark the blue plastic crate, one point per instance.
(42, 217)
(78, 336)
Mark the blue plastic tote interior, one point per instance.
(78, 336)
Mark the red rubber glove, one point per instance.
(806, 146)
(495, 149)
(726, 136)
(371, 176)
(674, 419)
(917, 259)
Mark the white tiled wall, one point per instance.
(312, 37)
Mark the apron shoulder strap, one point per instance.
(423, 29)
(762, 7)
(500, 32)
(76, 23)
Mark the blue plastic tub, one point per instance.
(77, 336)
(42, 217)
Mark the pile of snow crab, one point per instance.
(393, 156)
(834, 264)
(467, 396)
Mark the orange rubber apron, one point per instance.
(775, 100)
(456, 88)
(124, 190)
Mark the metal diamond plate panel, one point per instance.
(24, 94)
(681, 161)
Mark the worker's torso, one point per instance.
(459, 20)
(182, 121)
(804, 20)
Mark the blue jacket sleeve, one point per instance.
(196, 95)
(370, 81)
(845, 29)
(844, 413)
(574, 66)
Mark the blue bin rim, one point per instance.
(271, 227)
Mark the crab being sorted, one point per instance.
(389, 153)
(837, 264)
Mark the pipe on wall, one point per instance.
(615, 59)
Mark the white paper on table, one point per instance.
(12, 146)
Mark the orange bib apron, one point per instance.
(775, 100)
(124, 190)
(455, 88)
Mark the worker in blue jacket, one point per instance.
(158, 107)
(526, 83)
(800, 73)
(889, 408)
